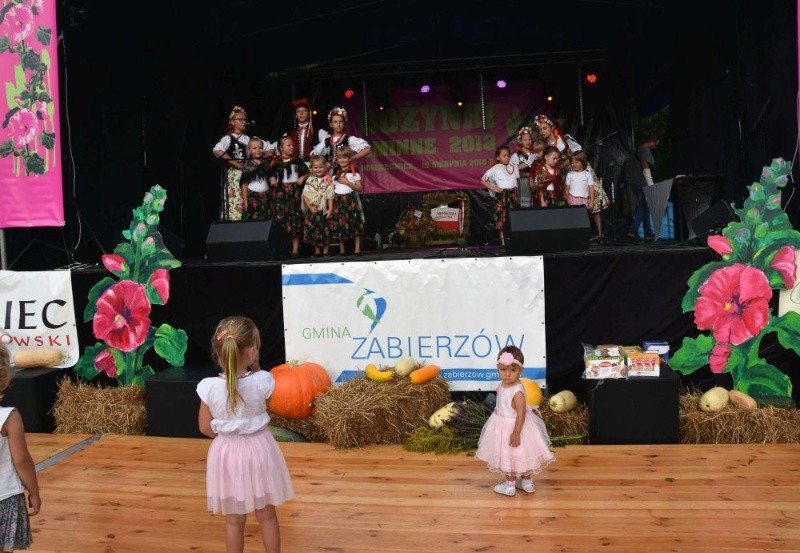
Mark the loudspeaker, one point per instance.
(538, 230)
(713, 219)
(247, 241)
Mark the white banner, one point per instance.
(37, 311)
(455, 313)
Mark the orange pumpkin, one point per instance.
(297, 385)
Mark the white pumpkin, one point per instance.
(714, 400)
(442, 415)
(405, 366)
(563, 401)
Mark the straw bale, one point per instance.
(767, 425)
(308, 428)
(84, 409)
(362, 412)
(570, 428)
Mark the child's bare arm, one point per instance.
(204, 420)
(518, 403)
(23, 462)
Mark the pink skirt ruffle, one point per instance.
(531, 455)
(245, 473)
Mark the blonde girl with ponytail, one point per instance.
(245, 471)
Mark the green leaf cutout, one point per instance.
(95, 292)
(764, 380)
(692, 354)
(170, 344)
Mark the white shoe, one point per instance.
(505, 488)
(526, 485)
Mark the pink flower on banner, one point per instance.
(784, 262)
(719, 244)
(114, 263)
(38, 5)
(719, 358)
(104, 362)
(734, 303)
(160, 281)
(122, 319)
(18, 24)
(23, 127)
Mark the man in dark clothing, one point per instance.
(641, 176)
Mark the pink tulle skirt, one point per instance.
(529, 456)
(245, 473)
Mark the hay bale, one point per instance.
(767, 425)
(570, 428)
(84, 409)
(362, 412)
(308, 428)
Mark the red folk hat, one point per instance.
(301, 103)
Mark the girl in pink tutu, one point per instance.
(245, 469)
(514, 440)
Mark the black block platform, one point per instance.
(172, 403)
(639, 410)
(33, 392)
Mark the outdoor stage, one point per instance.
(132, 493)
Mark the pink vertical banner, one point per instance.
(30, 147)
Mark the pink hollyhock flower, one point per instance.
(38, 5)
(160, 281)
(719, 358)
(122, 319)
(114, 263)
(720, 244)
(23, 127)
(104, 362)
(784, 262)
(734, 303)
(18, 24)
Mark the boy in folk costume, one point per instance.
(304, 136)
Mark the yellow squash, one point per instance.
(374, 373)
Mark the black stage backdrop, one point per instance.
(614, 298)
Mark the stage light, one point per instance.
(549, 98)
(314, 112)
(501, 84)
(349, 93)
(591, 78)
(460, 103)
(380, 108)
(425, 89)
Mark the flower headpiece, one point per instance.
(507, 359)
(524, 130)
(337, 111)
(539, 119)
(234, 111)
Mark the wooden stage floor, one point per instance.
(124, 493)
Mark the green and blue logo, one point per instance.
(372, 307)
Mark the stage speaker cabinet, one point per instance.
(713, 219)
(537, 230)
(247, 241)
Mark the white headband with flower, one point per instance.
(539, 119)
(507, 359)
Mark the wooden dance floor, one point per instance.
(122, 493)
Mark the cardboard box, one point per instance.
(659, 347)
(647, 363)
(604, 367)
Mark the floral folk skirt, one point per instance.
(258, 206)
(316, 228)
(15, 530)
(347, 220)
(286, 207)
(234, 204)
(503, 202)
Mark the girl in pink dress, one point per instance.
(245, 469)
(514, 440)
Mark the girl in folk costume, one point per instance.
(337, 119)
(501, 180)
(287, 175)
(525, 158)
(303, 135)
(548, 182)
(348, 218)
(255, 182)
(568, 146)
(232, 149)
(318, 206)
(580, 189)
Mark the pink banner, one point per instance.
(423, 142)
(30, 149)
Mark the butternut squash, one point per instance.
(423, 374)
(37, 357)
